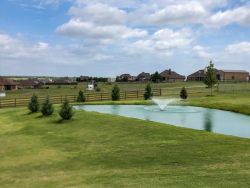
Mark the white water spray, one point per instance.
(162, 103)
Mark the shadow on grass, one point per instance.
(62, 121)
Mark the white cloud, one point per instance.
(202, 52)
(164, 42)
(238, 48)
(99, 13)
(97, 21)
(240, 15)
(90, 30)
(190, 12)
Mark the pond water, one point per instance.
(212, 120)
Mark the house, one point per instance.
(7, 84)
(111, 80)
(82, 79)
(64, 81)
(200, 75)
(234, 75)
(143, 77)
(30, 84)
(223, 75)
(125, 78)
(169, 75)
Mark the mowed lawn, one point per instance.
(98, 150)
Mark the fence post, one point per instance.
(15, 102)
(137, 93)
(160, 92)
(61, 99)
(101, 96)
(125, 93)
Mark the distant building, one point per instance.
(200, 75)
(143, 77)
(169, 75)
(82, 79)
(234, 75)
(64, 81)
(125, 78)
(111, 80)
(30, 84)
(7, 84)
(223, 75)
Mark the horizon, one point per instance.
(106, 38)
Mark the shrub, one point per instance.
(81, 97)
(47, 107)
(183, 93)
(66, 111)
(34, 104)
(115, 93)
(148, 92)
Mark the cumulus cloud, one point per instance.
(202, 52)
(190, 12)
(90, 30)
(240, 15)
(239, 48)
(164, 41)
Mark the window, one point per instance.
(232, 77)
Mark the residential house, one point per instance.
(31, 84)
(200, 75)
(171, 76)
(143, 77)
(7, 84)
(223, 75)
(234, 75)
(64, 81)
(126, 78)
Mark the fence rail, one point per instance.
(90, 97)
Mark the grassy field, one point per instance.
(195, 89)
(97, 150)
(105, 87)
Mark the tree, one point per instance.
(66, 111)
(210, 77)
(148, 92)
(81, 97)
(156, 77)
(183, 93)
(47, 107)
(34, 104)
(115, 93)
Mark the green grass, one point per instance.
(98, 150)
(239, 103)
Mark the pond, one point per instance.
(212, 120)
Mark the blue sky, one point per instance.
(110, 37)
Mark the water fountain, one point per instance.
(163, 103)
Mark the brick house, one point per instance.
(234, 75)
(7, 84)
(200, 75)
(143, 77)
(169, 75)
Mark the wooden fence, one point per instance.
(98, 96)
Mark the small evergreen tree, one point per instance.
(210, 76)
(47, 107)
(81, 97)
(115, 93)
(66, 111)
(148, 92)
(183, 93)
(34, 104)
